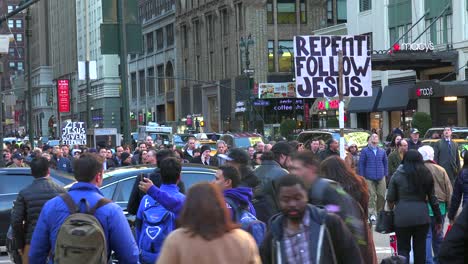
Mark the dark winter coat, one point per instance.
(460, 189)
(334, 243)
(28, 206)
(454, 249)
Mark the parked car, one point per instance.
(118, 183)
(357, 136)
(12, 181)
(241, 140)
(438, 132)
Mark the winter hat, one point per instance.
(427, 153)
(204, 148)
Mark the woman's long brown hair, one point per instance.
(334, 168)
(205, 212)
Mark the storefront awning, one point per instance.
(365, 104)
(395, 97)
(414, 60)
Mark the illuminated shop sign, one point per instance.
(420, 92)
(328, 105)
(287, 105)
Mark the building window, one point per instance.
(287, 11)
(142, 83)
(12, 65)
(240, 16)
(19, 23)
(11, 23)
(212, 66)
(184, 36)
(270, 12)
(151, 80)
(197, 70)
(225, 62)
(11, 52)
(20, 52)
(341, 14)
(133, 81)
(225, 16)
(20, 66)
(10, 8)
(160, 70)
(159, 39)
(170, 34)
(271, 56)
(169, 81)
(399, 20)
(19, 37)
(149, 42)
(286, 55)
(441, 31)
(210, 27)
(365, 5)
(196, 28)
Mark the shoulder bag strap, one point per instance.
(99, 204)
(69, 202)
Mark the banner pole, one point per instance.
(341, 105)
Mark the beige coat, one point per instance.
(442, 185)
(236, 247)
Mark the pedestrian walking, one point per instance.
(352, 157)
(394, 144)
(373, 166)
(330, 195)
(303, 233)
(158, 211)
(333, 149)
(395, 158)
(274, 166)
(443, 192)
(208, 231)
(409, 190)
(84, 194)
(446, 154)
(460, 191)
(240, 159)
(29, 203)
(413, 141)
(454, 247)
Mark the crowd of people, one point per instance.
(274, 202)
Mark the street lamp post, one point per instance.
(245, 45)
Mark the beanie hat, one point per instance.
(204, 148)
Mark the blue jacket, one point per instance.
(242, 196)
(373, 166)
(169, 196)
(118, 234)
(460, 188)
(64, 164)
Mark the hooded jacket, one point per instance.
(330, 241)
(460, 189)
(242, 197)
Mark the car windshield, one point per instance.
(245, 142)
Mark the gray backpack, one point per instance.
(81, 238)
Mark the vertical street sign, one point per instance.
(63, 93)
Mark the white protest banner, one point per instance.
(316, 61)
(74, 133)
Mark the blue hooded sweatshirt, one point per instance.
(242, 196)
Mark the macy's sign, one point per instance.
(426, 47)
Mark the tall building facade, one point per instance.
(43, 108)
(229, 47)
(63, 52)
(105, 102)
(419, 55)
(13, 64)
(152, 95)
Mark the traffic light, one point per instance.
(202, 123)
(132, 115)
(149, 116)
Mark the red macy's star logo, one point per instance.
(396, 47)
(418, 92)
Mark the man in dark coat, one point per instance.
(29, 203)
(446, 154)
(413, 141)
(333, 148)
(205, 157)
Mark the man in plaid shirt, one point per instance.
(303, 233)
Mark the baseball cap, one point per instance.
(17, 156)
(414, 131)
(238, 155)
(282, 148)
